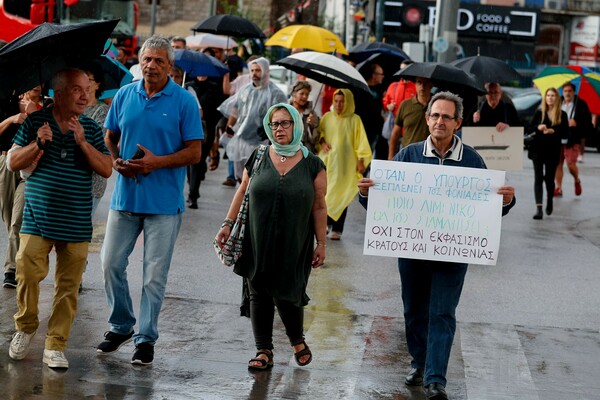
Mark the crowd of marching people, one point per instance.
(297, 161)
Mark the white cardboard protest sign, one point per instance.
(500, 150)
(434, 212)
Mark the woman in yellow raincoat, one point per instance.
(345, 150)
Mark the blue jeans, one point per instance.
(430, 294)
(230, 170)
(122, 231)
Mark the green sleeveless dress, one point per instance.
(279, 236)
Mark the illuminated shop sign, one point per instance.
(473, 19)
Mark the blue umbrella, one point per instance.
(365, 50)
(194, 63)
(116, 75)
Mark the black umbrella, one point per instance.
(325, 68)
(34, 57)
(444, 76)
(362, 51)
(488, 69)
(389, 63)
(230, 25)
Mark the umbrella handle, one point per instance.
(317, 99)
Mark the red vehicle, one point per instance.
(20, 16)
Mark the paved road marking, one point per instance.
(495, 364)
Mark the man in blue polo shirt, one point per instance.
(153, 132)
(66, 146)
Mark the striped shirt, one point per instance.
(58, 194)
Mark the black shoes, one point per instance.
(192, 204)
(414, 377)
(144, 354)
(549, 206)
(229, 182)
(436, 391)
(9, 280)
(433, 391)
(539, 214)
(113, 342)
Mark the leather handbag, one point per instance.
(231, 251)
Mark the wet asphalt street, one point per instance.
(528, 327)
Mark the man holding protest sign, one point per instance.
(431, 289)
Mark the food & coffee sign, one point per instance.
(472, 20)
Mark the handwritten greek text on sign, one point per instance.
(434, 212)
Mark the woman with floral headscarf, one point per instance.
(286, 216)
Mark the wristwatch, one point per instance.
(41, 146)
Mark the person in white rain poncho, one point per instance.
(245, 111)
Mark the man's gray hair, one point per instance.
(157, 42)
(61, 79)
(449, 96)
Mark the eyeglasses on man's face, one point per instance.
(444, 117)
(284, 124)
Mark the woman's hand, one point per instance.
(223, 235)
(318, 255)
(311, 120)
(325, 147)
(19, 118)
(364, 184)
(542, 127)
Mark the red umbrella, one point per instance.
(585, 80)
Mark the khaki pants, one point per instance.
(32, 268)
(12, 200)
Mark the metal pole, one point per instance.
(153, 17)
(446, 18)
(347, 24)
(380, 9)
(213, 8)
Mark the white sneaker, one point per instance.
(19, 346)
(55, 359)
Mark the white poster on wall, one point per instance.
(500, 150)
(585, 36)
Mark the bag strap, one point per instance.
(259, 156)
(262, 149)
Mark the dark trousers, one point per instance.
(338, 226)
(381, 148)
(544, 169)
(262, 312)
(197, 172)
(430, 294)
